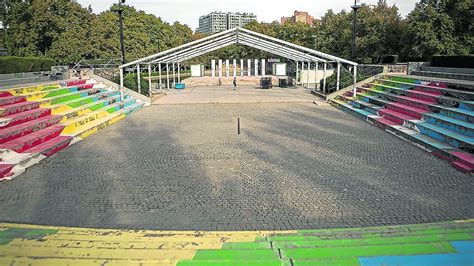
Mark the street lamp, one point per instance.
(120, 13)
(355, 7)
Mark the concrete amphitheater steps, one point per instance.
(440, 124)
(37, 122)
(448, 243)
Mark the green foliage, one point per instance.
(66, 31)
(130, 81)
(463, 61)
(14, 64)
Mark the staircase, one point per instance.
(39, 121)
(437, 116)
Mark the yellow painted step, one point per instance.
(72, 125)
(92, 127)
(31, 89)
(26, 261)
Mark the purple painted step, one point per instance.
(29, 141)
(395, 116)
(14, 132)
(51, 146)
(11, 100)
(15, 119)
(18, 108)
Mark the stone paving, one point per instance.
(295, 166)
(227, 94)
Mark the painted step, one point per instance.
(76, 82)
(451, 84)
(425, 96)
(92, 127)
(5, 170)
(369, 107)
(31, 89)
(399, 118)
(459, 114)
(72, 125)
(18, 118)
(14, 132)
(461, 94)
(29, 141)
(406, 109)
(71, 104)
(446, 122)
(73, 113)
(11, 100)
(48, 102)
(11, 109)
(414, 102)
(51, 146)
(440, 149)
(39, 95)
(454, 139)
(469, 106)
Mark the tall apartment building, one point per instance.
(220, 21)
(299, 16)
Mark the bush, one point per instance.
(130, 82)
(14, 64)
(460, 61)
(390, 59)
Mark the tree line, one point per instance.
(66, 32)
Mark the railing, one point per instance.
(347, 78)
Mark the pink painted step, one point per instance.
(5, 94)
(15, 119)
(86, 86)
(394, 116)
(422, 95)
(36, 138)
(406, 109)
(76, 82)
(11, 133)
(463, 167)
(51, 146)
(5, 170)
(11, 100)
(18, 108)
(415, 102)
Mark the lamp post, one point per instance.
(355, 7)
(120, 13)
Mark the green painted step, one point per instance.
(232, 263)
(237, 255)
(246, 245)
(326, 262)
(366, 251)
(371, 241)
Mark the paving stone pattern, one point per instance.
(295, 166)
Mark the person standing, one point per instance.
(235, 83)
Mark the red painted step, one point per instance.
(36, 138)
(406, 109)
(422, 95)
(15, 119)
(11, 133)
(18, 108)
(5, 94)
(86, 86)
(395, 116)
(5, 170)
(51, 146)
(11, 100)
(76, 82)
(463, 167)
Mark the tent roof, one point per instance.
(238, 36)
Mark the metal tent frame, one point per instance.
(241, 36)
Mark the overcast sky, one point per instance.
(189, 11)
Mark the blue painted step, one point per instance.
(467, 106)
(458, 126)
(458, 113)
(445, 135)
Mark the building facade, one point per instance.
(299, 16)
(220, 21)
